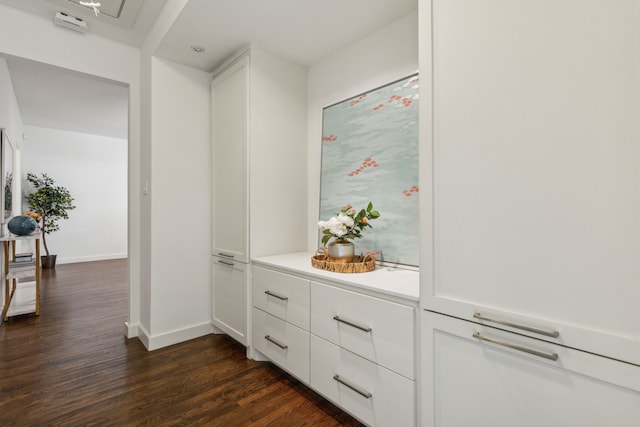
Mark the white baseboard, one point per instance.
(143, 336)
(130, 331)
(177, 336)
(90, 258)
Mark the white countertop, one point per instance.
(394, 281)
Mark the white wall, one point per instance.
(384, 56)
(94, 170)
(278, 154)
(10, 117)
(180, 204)
(175, 291)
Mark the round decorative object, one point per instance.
(22, 225)
(359, 265)
(341, 251)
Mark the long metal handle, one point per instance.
(276, 295)
(271, 340)
(545, 332)
(221, 261)
(225, 255)
(550, 356)
(352, 386)
(350, 323)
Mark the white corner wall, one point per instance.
(180, 204)
(384, 56)
(94, 170)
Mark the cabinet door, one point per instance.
(535, 151)
(230, 298)
(470, 381)
(229, 94)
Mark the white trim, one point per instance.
(130, 330)
(143, 336)
(91, 258)
(177, 336)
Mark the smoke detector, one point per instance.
(71, 22)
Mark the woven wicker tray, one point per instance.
(359, 265)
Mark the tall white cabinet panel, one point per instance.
(229, 92)
(485, 383)
(259, 176)
(531, 152)
(535, 152)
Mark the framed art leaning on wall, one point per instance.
(370, 153)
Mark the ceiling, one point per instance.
(304, 32)
(124, 21)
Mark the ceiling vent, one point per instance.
(71, 22)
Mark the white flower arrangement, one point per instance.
(347, 224)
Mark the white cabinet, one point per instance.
(536, 158)
(229, 92)
(282, 295)
(531, 158)
(485, 376)
(378, 330)
(372, 393)
(283, 343)
(229, 303)
(281, 319)
(350, 337)
(258, 121)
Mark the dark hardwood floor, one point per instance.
(72, 366)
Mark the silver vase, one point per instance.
(341, 251)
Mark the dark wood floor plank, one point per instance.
(72, 366)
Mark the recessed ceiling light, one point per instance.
(197, 49)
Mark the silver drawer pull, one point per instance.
(350, 323)
(352, 386)
(221, 261)
(225, 255)
(550, 356)
(547, 333)
(271, 340)
(276, 295)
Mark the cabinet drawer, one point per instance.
(378, 330)
(282, 295)
(369, 391)
(505, 379)
(285, 344)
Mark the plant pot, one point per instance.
(48, 261)
(341, 251)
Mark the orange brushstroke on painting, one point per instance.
(366, 163)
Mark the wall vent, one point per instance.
(71, 22)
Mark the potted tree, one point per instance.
(52, 203)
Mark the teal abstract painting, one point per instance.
(370, 153)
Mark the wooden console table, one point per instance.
(12, 273)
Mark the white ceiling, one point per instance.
(304, 32)
(58, 98)
(130, 27)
